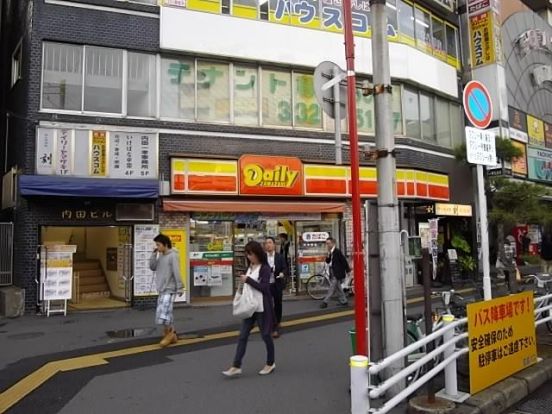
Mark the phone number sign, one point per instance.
(501, 339)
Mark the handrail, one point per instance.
(380, 366)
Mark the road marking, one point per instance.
(31, 382)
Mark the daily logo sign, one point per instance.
(265, 175)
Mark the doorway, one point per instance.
(102, 264)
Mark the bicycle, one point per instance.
(318, 284)
(543, 282)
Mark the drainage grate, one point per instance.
(540, 403)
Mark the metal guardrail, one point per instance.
(360, 399)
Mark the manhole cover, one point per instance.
(26, 335)
(131, 333)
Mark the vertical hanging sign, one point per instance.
(45, 151)
(98, 154)
(64, 152)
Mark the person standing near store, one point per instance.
(258, 277)
(339, 267)
(164, 261)
(546, 252)
(278, 266)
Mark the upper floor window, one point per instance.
(17, 63)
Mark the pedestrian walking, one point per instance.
(278, 266)
(258, 277)
(339, 267)
(164, 261)
(546, 252)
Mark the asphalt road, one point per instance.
(311, 377)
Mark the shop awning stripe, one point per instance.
(251, 207)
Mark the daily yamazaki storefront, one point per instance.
(225, 203)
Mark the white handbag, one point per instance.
(245, 303)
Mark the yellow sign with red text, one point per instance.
(501, 339)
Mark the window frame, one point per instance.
(17, 64)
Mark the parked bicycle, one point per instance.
(542, 286)
(318, 284)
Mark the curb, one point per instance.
(505, 394)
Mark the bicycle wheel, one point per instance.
(317, 287)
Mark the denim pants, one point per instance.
(335, 287)
(247, 325)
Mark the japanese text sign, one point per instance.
(480, 147)
(481, 39)
(262, 175)
(501, 339)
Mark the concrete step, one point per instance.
(98, 287)
(90, 273)
(91, 280)
(86, 265)
(92, 295)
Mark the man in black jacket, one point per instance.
(339, 267)
(279, 267)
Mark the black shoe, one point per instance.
(323, 305)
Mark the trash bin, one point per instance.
(352, 335)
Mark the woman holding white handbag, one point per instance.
(254, 305)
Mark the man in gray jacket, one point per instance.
(165, 263)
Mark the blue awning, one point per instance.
(50, 185)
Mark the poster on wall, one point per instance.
(519, 165)
(433, 243)
(481, 39)
(56, 272)
(179, 243)
(144, 278)
(548, 135)
(518, 125)
(535, 130)
(201, 275)
(539, 162)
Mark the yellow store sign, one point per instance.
(501, 339)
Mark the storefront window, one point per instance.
(439, 39)
(406, 22)
(103, 79)
(411, 113)
(442, 118)
(213, 92)
(276, 95)
(178, 88)
(307, 112)
(246, 95)
(211, 258)
(423, 30)
(62, 77)
(427, 118)
(142, 85)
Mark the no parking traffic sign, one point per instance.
(477, 104)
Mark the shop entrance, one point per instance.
(102, 264)
(217, 256)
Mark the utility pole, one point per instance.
(388, 207)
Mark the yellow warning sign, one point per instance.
(501, 339)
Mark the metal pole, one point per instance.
(358, 257)
(337, 119)
(451, 382)
(388, 211)
(485, 256)
(428, 319)
(359, 384)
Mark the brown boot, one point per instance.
(166, 330)
(169, 338)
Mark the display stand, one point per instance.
(56, 278)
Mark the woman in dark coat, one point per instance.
(258, 277)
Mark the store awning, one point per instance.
(252, 206)
(47, 185)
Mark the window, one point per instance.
(263, 9)
(103, 80)
(225, 6)
(423, 29)
(442, 118)
(411, 113)
(456, 125)
(213, 92)
(307, 112)
(178, 88)
(427, 117)
(392, 22)
(276, 101)
(245, 8)
(439, 38)
(17, 63)
(142, 85)
(406, 22)
(62, 77)
(365, 112)
(246, 95)
(397, 113)
(452, 45)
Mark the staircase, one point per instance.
(92, 281)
